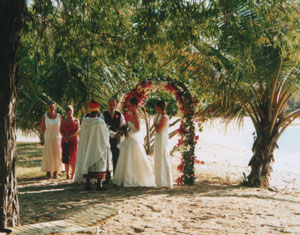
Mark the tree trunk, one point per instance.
(11, 24)
(261, 161)
(40, 134)
(147, 139)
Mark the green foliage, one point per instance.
(171, 108)
(74, 51)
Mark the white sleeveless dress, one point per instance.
(133, 168)
(162, 166)
(51, 160)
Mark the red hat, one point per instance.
(94, 106)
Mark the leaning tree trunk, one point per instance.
(11, 23)
(148, 138)
(40, 134)
(261, 161)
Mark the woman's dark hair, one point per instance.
(134, 101)
(161, 104)
(50, 103)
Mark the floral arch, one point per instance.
(186, 130)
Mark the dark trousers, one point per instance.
(115, 156)
(66, 153)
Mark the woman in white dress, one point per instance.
(133, 168)
(51, 161)
(162, 166)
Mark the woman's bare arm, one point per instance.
(158, 127)
(76, 130)
(136, 122)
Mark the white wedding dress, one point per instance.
(133, 168)
(162, 166)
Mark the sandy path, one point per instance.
(200, 209)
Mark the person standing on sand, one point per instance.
(69, 129)
(51, 159)
(94, 155)
(133, 167)
(162, 166)
(114, 120)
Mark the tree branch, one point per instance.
(273, 89)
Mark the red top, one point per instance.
(68, 128)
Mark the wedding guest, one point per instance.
(94, 155)
(162, 166)
(50, 125)
(133, 167)
(114, 120)
(69, 129)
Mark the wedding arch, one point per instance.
(186, 104)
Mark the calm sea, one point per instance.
(287, 156)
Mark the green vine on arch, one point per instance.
(187, 104)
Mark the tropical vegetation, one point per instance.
(254, 72)
(240, 58)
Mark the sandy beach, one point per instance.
(216, 204)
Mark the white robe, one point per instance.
(94, 153)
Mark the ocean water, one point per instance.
(287, 156)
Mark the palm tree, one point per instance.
(253, 70)
(263, 96)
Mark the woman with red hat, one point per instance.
(94, 157)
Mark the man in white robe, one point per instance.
(94, 156)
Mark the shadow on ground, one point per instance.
(43, 200)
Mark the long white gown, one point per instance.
(162, 166)
(133, 168)
(51, 160)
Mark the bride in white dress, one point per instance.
(133, 168)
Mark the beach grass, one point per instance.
(29, 160)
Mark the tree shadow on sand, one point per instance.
(45, 200)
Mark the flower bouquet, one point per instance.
(123, 130)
